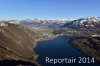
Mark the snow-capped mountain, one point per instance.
(88, 22)
(36, 22)
(11, 21)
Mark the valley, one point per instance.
(18, 35)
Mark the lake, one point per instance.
(58, 47)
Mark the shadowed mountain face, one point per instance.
(17, 43)
(16, 63)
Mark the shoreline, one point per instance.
(36, 55)
(35, 45)
(71, 41)
(84, 49)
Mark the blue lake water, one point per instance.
(58, 47)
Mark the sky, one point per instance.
(48, 9)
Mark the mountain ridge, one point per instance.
(87, 22)
(17, 43)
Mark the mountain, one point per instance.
(16, 44)
(37, 23)
(88, 22)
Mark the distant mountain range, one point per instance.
(37, 22)
(88, 22)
